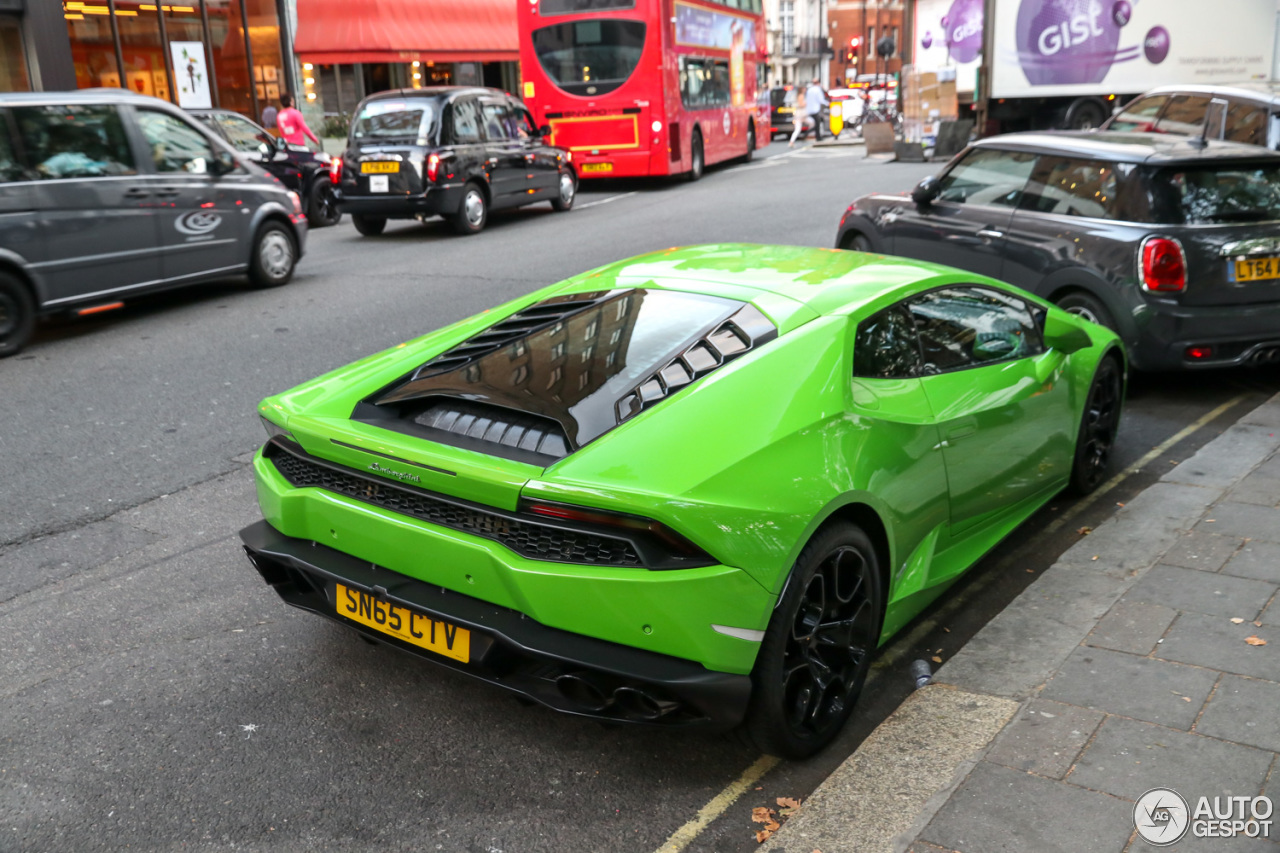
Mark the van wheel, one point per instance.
(1084, 305)
(274, 256)
(369, 226)
(567, 191)
(17, 315)
(322, 207)
(818, 647)
(473, 212)
(697, 161)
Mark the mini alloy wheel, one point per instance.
(1098, 427)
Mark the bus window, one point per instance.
(589, 57)
(704, 82)
(569, 7)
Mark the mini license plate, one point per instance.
(404, 624)
(379, 184)
(597, 167)
(379, 167)
(1257, 269)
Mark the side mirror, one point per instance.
(1064, 336)
(926, 191)
(544, 131)
(224, 162)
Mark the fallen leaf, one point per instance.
(1118, 503)
(1186, 698)
(948, 630)
(936, 659)
(761, 814)
(1255, 640)
(788, 802)
(772, 826)
(1084, 531)
(1210, 520)
(1094, 558)
(762, 836)
(1236, 620)
(1257, 624)
(1031, 571)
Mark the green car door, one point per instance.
(1001, 402)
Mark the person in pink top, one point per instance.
(293, 127)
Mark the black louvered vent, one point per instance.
(532, 540)
(496, 425)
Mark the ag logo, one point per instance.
(1161, 816)
(197, 222)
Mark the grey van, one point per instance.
(105, 195)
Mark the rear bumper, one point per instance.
(623, 164)
(508, 649)
(437, 201)
(1234, 334)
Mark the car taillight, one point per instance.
(1164, 266)
(659, 545)
(335, 170)
(297, 203)
(433, 167)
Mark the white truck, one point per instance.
(1032, 64)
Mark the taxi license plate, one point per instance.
(403, 624)
(1257, 269)
(597, 167)
(379, 167)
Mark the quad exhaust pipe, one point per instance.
(590, 692)
(1265, 355)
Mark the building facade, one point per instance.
(857, 26)
(798, 43)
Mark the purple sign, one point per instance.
(962, 30)
(704, 28)
(1121, 12)
(1068, 42)
(926, 41)
(1156, 45)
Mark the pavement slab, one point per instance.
(1203, 592)
(1204, 551)
(1133, 686)
(1256, 559)
(1228, 458)
(1217, 643)
(1132, 626)
(1045, 738)
(1128, 758)
(1244, 710)
(1244, 520)
(1261, 487)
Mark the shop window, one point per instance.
(10, 168)
(74, 141)
(13, 63)
(175, 145)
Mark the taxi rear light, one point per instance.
(335, 169)
(1164, 266)
(297, 203)
(433, 167)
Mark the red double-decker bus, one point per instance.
(646, 87)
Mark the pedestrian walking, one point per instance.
(815, 99)
(800, 118)
(293, 127)
(269, 117)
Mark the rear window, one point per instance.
(589, 57)
(1224, 193)
(406, 120)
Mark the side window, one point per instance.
(243, 135)
(175, 145)
(524, 124)
(466, 121)
(1073, 187)
(1184, 115)
(704, 82)
(1139, 114)
(968, 326)
(988, 176)
(885, 346)
(10, 168)
(497, 121)
(1247, 123)
(75, 141)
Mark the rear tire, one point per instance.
(322, 207)
(566, 192)
(275, 255)
(818, 647)
(751, 144)
(17, 315)
(473, 211)
(855, 241)
(1098, 424)
(369, 226)
(1084, 305)
(697, 160)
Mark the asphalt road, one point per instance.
(159, 697)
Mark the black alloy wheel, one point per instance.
(1098, 427)
(818, 648)
(369, 226)
(17, 315)
(322, 207)
(697, 162)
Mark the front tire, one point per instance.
(817, 650)
(275, 254)
(473, 211)
(567, 192)
(697, 160)
(322, 207)
(369, 226)
(1098, 425)
(17, 315)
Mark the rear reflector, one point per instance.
(1199, 353)
(1164, 266)
(98, 309)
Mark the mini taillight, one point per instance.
(335, 170)
(433, 167)
(1164, 266)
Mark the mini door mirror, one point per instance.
(926, 191)
(1064, 336)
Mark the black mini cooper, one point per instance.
(455, 152)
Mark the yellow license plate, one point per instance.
(403, 624)
(597, 167)
(786, 110)
(378, 167)
(1257, 269)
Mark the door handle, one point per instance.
(166, 192)
(136, 192)
(989, 234)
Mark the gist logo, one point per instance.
(1070, 42)
(1162, 817)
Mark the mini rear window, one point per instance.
(1221, 193)
(407, 120)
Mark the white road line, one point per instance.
(607, 199)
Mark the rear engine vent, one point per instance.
(494, 425)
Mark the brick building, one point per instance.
(870, 21)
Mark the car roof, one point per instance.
(82, 96)
(1255, 90)
(1125, 146)
(436, 92)
(790, 284)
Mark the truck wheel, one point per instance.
(17, 315)
(1084, 114)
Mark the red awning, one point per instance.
(344, 31)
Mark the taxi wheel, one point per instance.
(369, 226)
(322, 207)
(274, 256)
(698, 162)
(473, 212)
(17, 315)
(563, 200)
(818, 647)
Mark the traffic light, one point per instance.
(851, 56)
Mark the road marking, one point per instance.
(681, 838)
(685, 835)
(607, 199)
